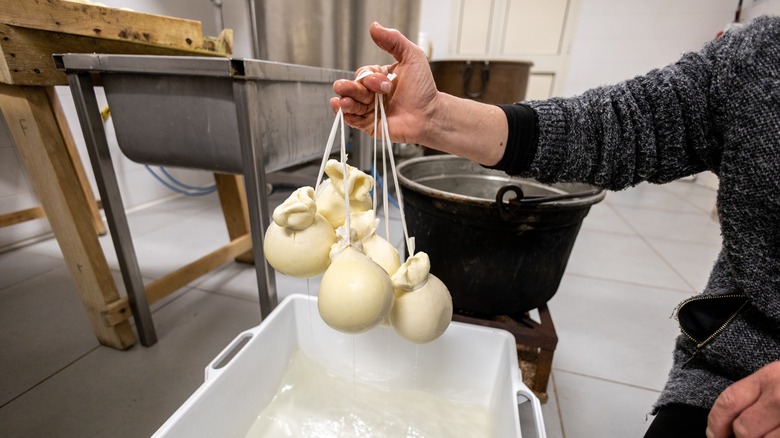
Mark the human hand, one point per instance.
(748, 408)
(411, 97)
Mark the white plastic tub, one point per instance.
(468, 363)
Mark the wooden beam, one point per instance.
(75, 159)
(27, 53)
(31, 31)
(31, 120)
(102, 22)
(232, 197)
(117, 312)
(181, 277)
(20, 216)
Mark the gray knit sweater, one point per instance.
(717, 110)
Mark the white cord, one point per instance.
(346, 181)
(329, 146)
(399, 198)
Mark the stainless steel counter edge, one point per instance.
(249, 69)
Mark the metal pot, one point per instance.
(482, 80)
(499, 243)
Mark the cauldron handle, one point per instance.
(507, 209)
(467, 80)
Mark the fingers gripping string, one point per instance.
(387, 155)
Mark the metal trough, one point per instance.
(218, 114)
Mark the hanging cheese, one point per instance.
(422, 309)
(298, 241)
(355, 293)
(330, 195)
(374, 246)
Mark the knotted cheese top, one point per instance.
(413, 273)
(359, 184)
(297, 211)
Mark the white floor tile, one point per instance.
(683, 227)
(25, 263)
(650, 196)
(44, 329)
(145, 221)
(131, 393)
(615, 331)
(701, 197)
(240, 281)
(620, 257)
(693, 261)
(602, 217)
(189, 205)
(176, 244)
(597, 408)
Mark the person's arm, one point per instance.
(656, 127)
(417, 112)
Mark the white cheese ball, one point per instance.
(300, 253)
(422, 309)
(355, 293)
(378, 249)
(422, 315)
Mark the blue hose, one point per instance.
(182, 188)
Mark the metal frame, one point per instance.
(88, 111)
(244, 75)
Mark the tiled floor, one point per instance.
(638, 254)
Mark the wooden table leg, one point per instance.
(73, 154)
(29, 214)
(33, 124)
(232, 196)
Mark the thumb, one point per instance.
(391, 41)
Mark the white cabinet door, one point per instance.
(534, 27)
(539, 31)
(474, 37)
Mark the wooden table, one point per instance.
(30, 32)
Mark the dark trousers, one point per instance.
(679, 421)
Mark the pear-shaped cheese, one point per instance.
(355, 293)
(330, 195)
(422, 309)
(383, 253)
(298, 241)
(376, 247)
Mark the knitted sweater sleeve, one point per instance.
(718, 110)
(657, 127)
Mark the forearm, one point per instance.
(473, 130)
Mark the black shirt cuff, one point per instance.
(522, 139)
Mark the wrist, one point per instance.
(467, 128)
(432, 132)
